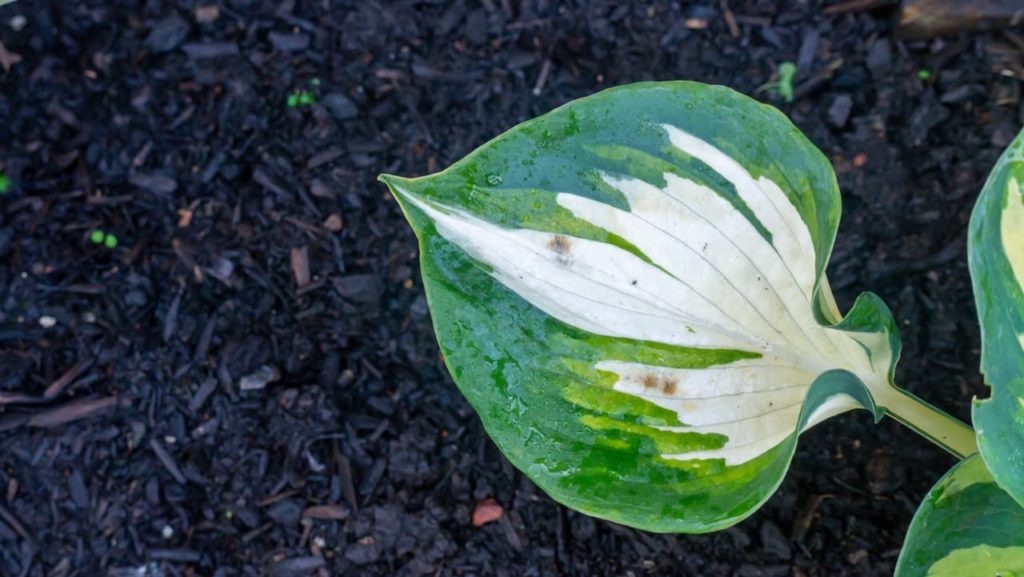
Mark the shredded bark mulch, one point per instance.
(247, 383)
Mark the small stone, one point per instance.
(46, 321)
(167, 34)
(259, 379)
(156, 183)
(340, 106)
(135, 298)
(333, 222)
(297, 567)
(857, 556)
(839, 111)
(206, 14)
(286, 512)
(363, 551)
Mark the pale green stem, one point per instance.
(930, 422)
(926, 420)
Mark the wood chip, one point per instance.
(8, 58)
(20, 398)
(730, 19)
(207, 388)
(300, 266)
(167, 461)
(856, 6)
(14, 523)
(337, 512)
(171, 319)
(66, 379)
(73, 411)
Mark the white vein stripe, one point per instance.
(740, 377)
(594, 290)
(789, 233)
(1011, 228)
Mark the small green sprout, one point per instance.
(924, 74)
(5, 183)
(107, 239)
(300, 98)
(787, 70)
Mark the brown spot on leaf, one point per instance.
(668, 386)
(561, 246)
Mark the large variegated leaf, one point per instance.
(996, 256)
(966, 527)
(630, 292)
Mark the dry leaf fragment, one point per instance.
(486, 511)
(8, 58)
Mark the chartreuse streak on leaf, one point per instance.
(661, 217)
(996, 256)
(966, 527)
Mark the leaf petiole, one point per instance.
(929, 421)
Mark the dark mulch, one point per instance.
(254, 244)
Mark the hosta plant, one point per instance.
(630, 290)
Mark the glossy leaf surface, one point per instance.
(996, 256)
(630, 292)
(966, 527)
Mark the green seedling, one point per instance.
(107, 239)
(787, 70)
(784, 84)
(643, 322)
(300, 98)
(5, 183)
(924, 74)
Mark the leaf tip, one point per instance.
(396, 184)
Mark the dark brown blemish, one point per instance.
(561, 246)
(666, 384)
(650, 381)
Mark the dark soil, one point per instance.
(254, 240)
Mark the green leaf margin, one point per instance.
(520, 368)
(967, 526)
(999, 420)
